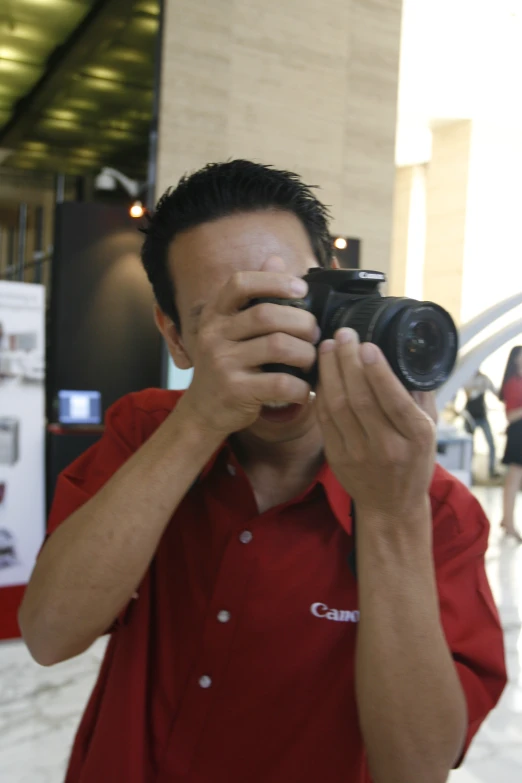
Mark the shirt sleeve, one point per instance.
(468, 613)
(87, 475)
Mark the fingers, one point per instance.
(427, 403)
(276, 348)
(267, 318)
(266, 387)
(360, 396)
(331, 433)
(371, 394)
(244, 286)
(274, 264)
(392, 397)
(334, 403)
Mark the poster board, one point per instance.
(22, 440)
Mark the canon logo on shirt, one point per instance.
(338, 615)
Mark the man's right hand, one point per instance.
(229, 387)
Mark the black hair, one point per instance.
(511, 368)
(219, 190)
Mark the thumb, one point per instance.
(274, 264)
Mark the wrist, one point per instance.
(409, 520)
(194, 428)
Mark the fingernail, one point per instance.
(327, 346)
(369, 353)
(317, 335)
(299, 287)
(345, 336)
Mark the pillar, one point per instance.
(409, 232)
(302, 85)
(446, 214)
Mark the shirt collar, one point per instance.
(338, 499)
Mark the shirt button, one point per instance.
(223, 616)
(205, 681)
(246, 537)
(231, 469)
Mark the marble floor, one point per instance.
(40, 708)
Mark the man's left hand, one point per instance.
(378, 441)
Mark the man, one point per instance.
(212, 532)
(477, 414)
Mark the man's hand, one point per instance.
(381, 446)
(426, 402)
(378, 441)
(229, 386)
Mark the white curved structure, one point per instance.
(471, 361)
(477, 324)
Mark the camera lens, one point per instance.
(423, 346)
(419, 339)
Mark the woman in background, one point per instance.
(511, 396)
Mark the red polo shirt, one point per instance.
(512, 393)
(235, 664)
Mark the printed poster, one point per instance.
(22, 429)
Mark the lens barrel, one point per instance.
(419, 339)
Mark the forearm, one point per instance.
(411, 706)
(92, 565)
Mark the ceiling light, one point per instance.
(340, 243)
(104, 73)
(35, 146)
(62, 114)
(136, 210)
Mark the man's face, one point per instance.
(203, 259)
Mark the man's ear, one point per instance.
(173, 339)
(335, 263)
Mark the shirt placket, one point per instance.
(221, 624)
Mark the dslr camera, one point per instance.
(418, 339)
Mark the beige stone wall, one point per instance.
(400, 235)
(299, 84)
(409, 232)
(446, 211)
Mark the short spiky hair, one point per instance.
(219, 190)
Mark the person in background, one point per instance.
(477, 414)
(511, 396)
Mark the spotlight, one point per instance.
(136, 210)
(105, 181)
(108, 178)
(340, 243)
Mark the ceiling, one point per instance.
(76, 78)
(76, 84)
(460, 59)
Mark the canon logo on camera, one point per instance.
(371, 275)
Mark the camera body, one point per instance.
(419, 339)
